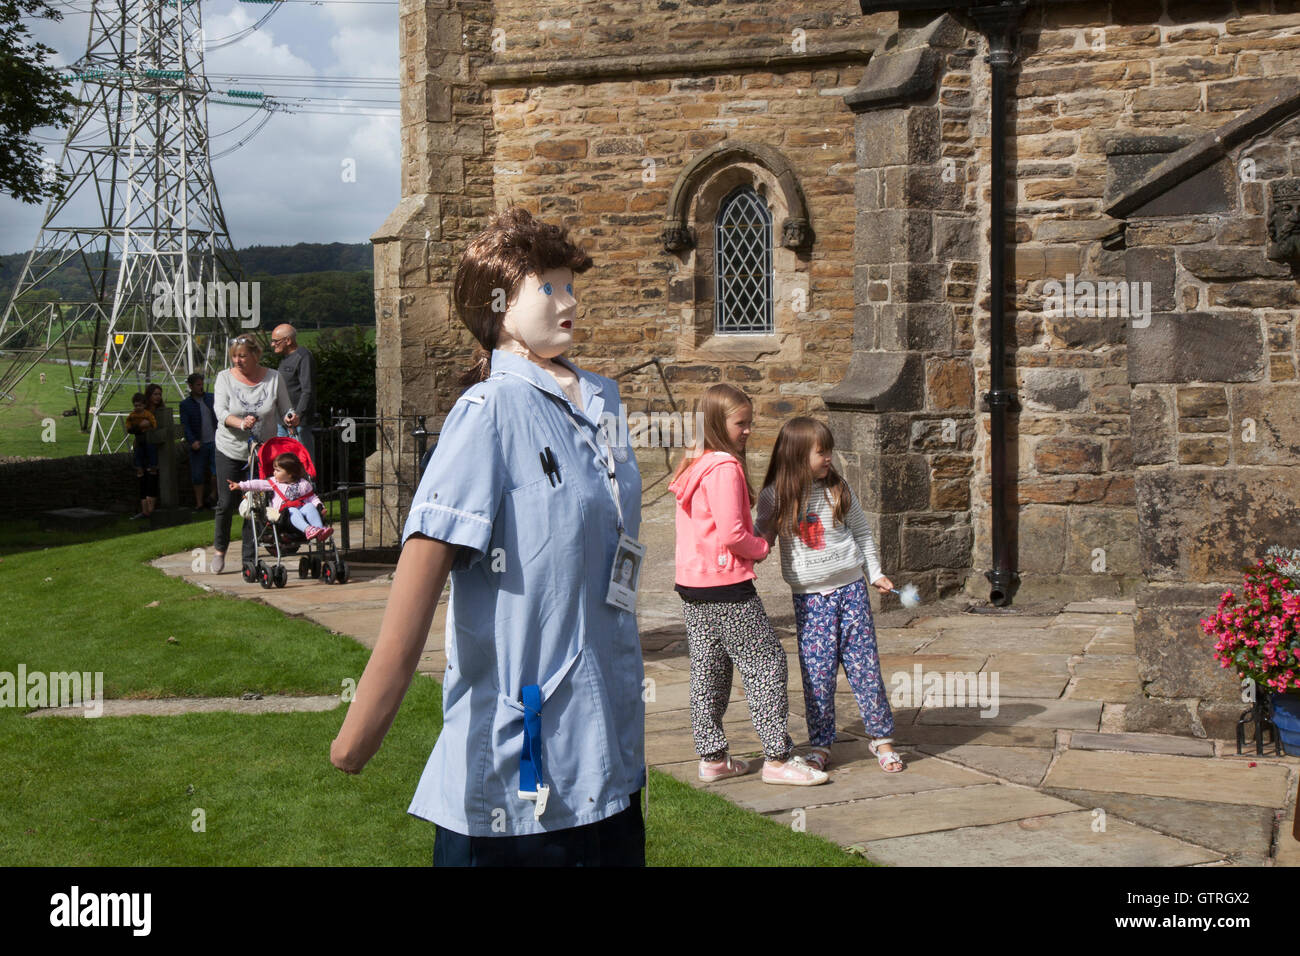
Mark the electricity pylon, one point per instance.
(158, 255)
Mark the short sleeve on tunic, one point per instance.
(462, 487)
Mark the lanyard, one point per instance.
(608, 455)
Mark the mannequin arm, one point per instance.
(418, 581)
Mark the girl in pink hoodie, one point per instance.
(725, 619)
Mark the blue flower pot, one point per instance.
(1286, 716)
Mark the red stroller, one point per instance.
(274, 532)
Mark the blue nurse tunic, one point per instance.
(528, 606)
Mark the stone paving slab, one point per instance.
(363, 625)
(906, 664)
(1108, 691)
(1054, 714)
(1062, 839)
(1119, 633)
(1023, 765)
(173, 706)
(1159, 775)
(855, 775)
(1024, 662)
(1143, 743)
(902, 642)
(677, 696)
(1100, 606)
(1056, 640)
(671, 746)
(853, 824)
(1244, 833)
(1107, 667)
(1076, 619)
(979, 735)
(1028, 685)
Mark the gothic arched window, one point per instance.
(743, 265)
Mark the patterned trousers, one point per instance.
(837, 628)
(720, 634)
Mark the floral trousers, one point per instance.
(837, 628)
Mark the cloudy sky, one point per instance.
(287, 184)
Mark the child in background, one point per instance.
(825, 542)
(292, 490)
(138, 423)
(725, 620)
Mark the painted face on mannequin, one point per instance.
(541, 314)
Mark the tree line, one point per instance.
(308, 285)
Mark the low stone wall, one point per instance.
(103, 482)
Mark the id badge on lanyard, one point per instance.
(630, 553)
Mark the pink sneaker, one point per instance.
(312, 532)
(326, 532)
(795, 772)
(711, 770)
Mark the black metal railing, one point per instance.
(378, 457)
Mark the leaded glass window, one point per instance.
(742, 299)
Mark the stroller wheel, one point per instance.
(342, 575)
(315, 566)
(280, 575)
(264, 575)
(327, 573)
(250, 573)
(304, 566)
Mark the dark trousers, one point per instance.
(615, 841)
(228, 505)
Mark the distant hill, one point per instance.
(307, 257)
(311, 285)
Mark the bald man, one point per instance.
(298, 369)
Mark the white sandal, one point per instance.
(888, 759)
(818, 757)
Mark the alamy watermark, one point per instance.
(241, 300)
(1088, 299)
(652, 429)
(129, 910)
(945, 689)
(54, 689)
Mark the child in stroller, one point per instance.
(292, 490)
(291, 468)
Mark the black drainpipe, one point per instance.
(997, 20)
(998, 24)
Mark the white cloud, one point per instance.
(285, 185)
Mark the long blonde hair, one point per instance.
(717, 404)
(790, 473)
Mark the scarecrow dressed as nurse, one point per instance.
(525, 505)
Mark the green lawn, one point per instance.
(127, 791)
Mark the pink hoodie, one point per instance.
(716, 544)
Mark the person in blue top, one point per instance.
(525, 504)
(199, 419)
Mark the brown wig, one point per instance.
(718, 403)
(789, 472)
(291, 464)
(494, 265)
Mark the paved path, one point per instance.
(1049, 779)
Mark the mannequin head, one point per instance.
(515, 284)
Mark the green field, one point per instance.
(25, 421)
